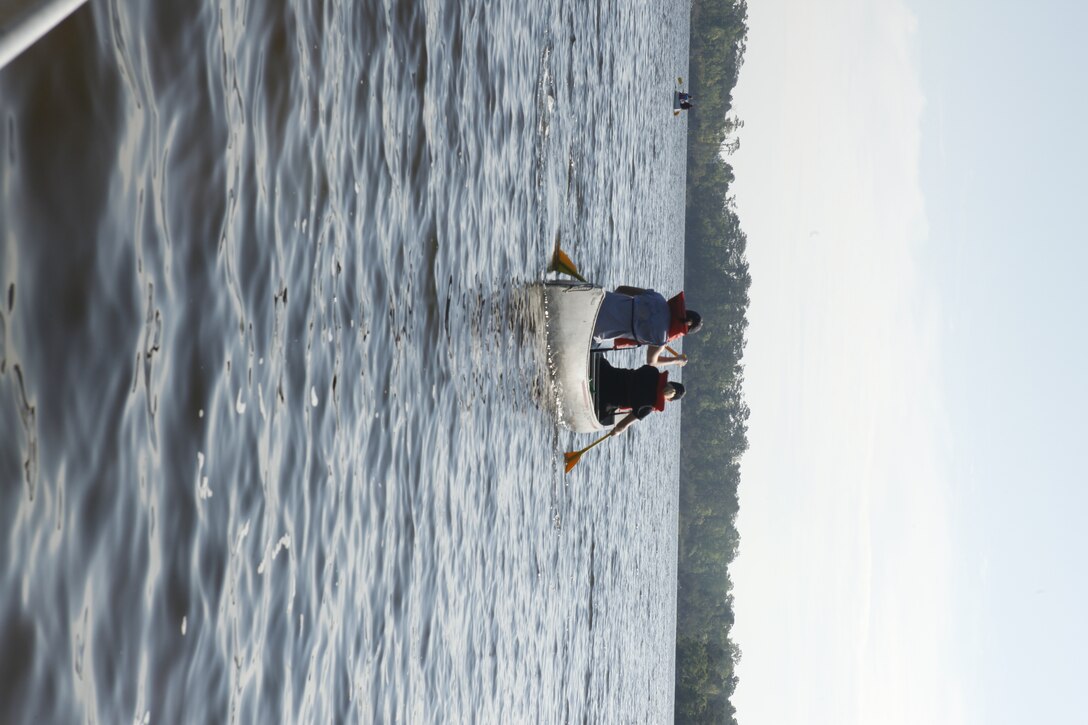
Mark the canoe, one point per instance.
(572, 311)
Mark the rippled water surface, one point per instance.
(275, 432)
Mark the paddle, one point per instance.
(675, 353)
(561, 263)
(572, 457)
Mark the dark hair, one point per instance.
(696, 321)
(677, 390)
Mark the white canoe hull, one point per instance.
(572, 311)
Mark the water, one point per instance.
(275, 435)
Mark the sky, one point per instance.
(914, 501)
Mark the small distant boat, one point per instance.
(23, 22)
(572, 312)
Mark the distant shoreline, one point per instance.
(714, 425)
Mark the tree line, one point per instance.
(714, 426)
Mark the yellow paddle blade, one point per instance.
(561, 263)
(572, 459)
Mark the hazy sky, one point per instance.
(913, 181)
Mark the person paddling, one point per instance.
(632, 316)
(637, 392)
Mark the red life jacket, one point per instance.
(678, 324)
(659, 400)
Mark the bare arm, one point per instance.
(624, 424)
(654, 357)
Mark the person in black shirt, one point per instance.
(640, 391)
